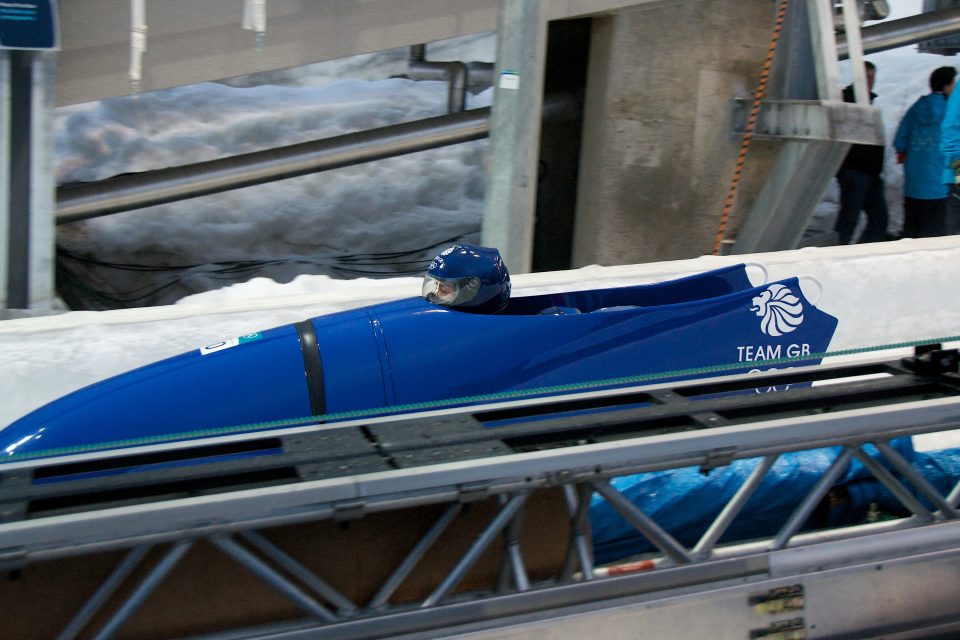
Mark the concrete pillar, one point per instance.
(27, 229)
(4, 174)
(511, 193)
(43, 185)
(658, 153)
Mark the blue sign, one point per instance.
(28, 24)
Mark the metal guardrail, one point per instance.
(133, 191)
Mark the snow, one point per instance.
(882, 294)
(313, 224)
(872, 289)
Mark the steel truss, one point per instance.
(498, 516)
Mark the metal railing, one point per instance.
(544, 471)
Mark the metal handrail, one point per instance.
(137, 190)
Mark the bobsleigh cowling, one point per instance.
(413, 351)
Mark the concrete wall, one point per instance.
(191, 41)
(658, 155)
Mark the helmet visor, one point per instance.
(450, 292)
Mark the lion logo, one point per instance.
(781, 311)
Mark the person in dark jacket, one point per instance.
(861, 185)
(918, 147)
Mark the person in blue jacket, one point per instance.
(950, 148)
(918, 148)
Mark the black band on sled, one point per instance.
(312, 366)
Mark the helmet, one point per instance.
(468, 277)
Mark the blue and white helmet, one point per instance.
(468, 277)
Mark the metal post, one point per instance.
(510, 203)
(578, 510)
(6, 149)
(18, 193)
(27, 183)
(513, 555)
(43, 182)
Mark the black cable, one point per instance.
(78, 292)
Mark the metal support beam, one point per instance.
(130, 562)
(501, 520)
(18, 192)
(892, 34)
(146, 587)
(578, 510)
(783, 208)
(415, 556)
(709, 539)
(818, 135)
(813, 120)
(297, 570)
(511, 194)
(26, 179)
(454, 73)
(817, 493)
(917, 480)
(643, 523)
(272, 577)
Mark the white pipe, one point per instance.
(138, 42)
(255, 19)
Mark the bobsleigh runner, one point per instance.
(465, 337)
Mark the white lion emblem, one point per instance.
(781, 310)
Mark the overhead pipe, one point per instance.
(134, 191)
(80, 201)
(453, 73)
(898, 33)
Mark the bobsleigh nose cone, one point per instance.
(216, 388)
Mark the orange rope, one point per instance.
(748, 133)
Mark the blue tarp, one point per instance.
(685, 501)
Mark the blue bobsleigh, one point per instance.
(414, 351)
